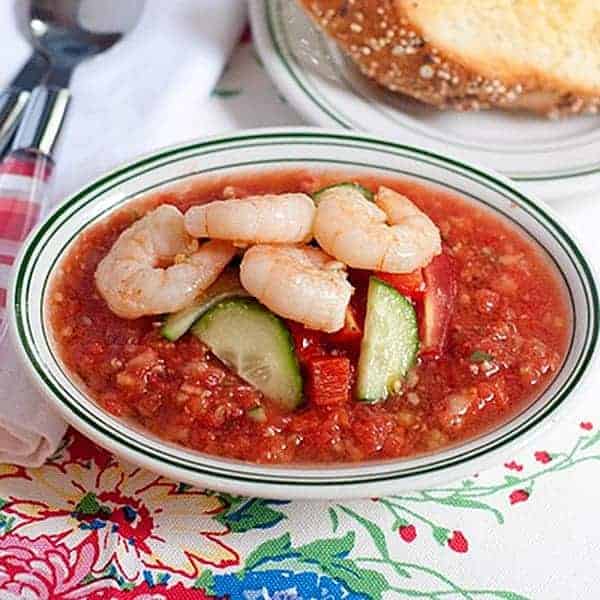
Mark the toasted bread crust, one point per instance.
(389, 48)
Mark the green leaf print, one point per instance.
(441, 535)
(205, 582)
(373, 530)
(328, 548)
(244, 514)
(511, 480)
(334, 519)
(89, 506)
(268, 550)
(362, 581)
(464, 502)
(594, 439)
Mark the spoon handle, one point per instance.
(23, 201)
(12, 105)
(24, 174)
(42, 120)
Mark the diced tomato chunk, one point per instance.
(438, 305)
(411, 285)
(351, 332)
(328, 380)
(307, 342)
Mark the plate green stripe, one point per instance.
(347, 163)
(276, 28)
(130, 171)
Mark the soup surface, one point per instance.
(508, 328)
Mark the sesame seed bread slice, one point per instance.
(538, 55)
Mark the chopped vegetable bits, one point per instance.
(442, 353)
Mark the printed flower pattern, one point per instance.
(42, 568)
(87, 526)
(518, 496)
(146, 591)
(408, 533)
(136, 518)
(543, 457)
(82, 451)
(282, 585)
(513, 466)
(458, 542)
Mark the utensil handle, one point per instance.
(12, 105)
(42, 120)
(24, 176)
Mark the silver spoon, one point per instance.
(67, 32)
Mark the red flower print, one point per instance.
(408, 533)
(513, 466)
(586, 425)
(135, 519)
(543, 457)
(458, 542)
(153, 592)
(83, 451)
(518, 496)
(45, 568)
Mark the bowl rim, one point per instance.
(246, 475)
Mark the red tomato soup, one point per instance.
(506, 313)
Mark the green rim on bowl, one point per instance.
(323, 85)
(271, 149)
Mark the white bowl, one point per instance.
(267, 150)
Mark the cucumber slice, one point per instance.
(256, 345)
(227, 286)
(257, 414)
(368, 194)
(390, 342)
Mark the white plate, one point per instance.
(254, 151)
(553, 158)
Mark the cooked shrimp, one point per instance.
(298, 282)
(268, 219)
(131, 278)
(356, 231)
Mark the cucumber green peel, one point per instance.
(390, 342)
(257, 345)
(227, 286)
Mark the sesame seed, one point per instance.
(426, 71)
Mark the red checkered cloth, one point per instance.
(23, 201)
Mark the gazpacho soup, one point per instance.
(306, 316)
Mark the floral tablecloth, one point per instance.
(88, 526)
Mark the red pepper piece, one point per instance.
(307, 342)
(438, 305)
(411, 285)
(328, 380)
